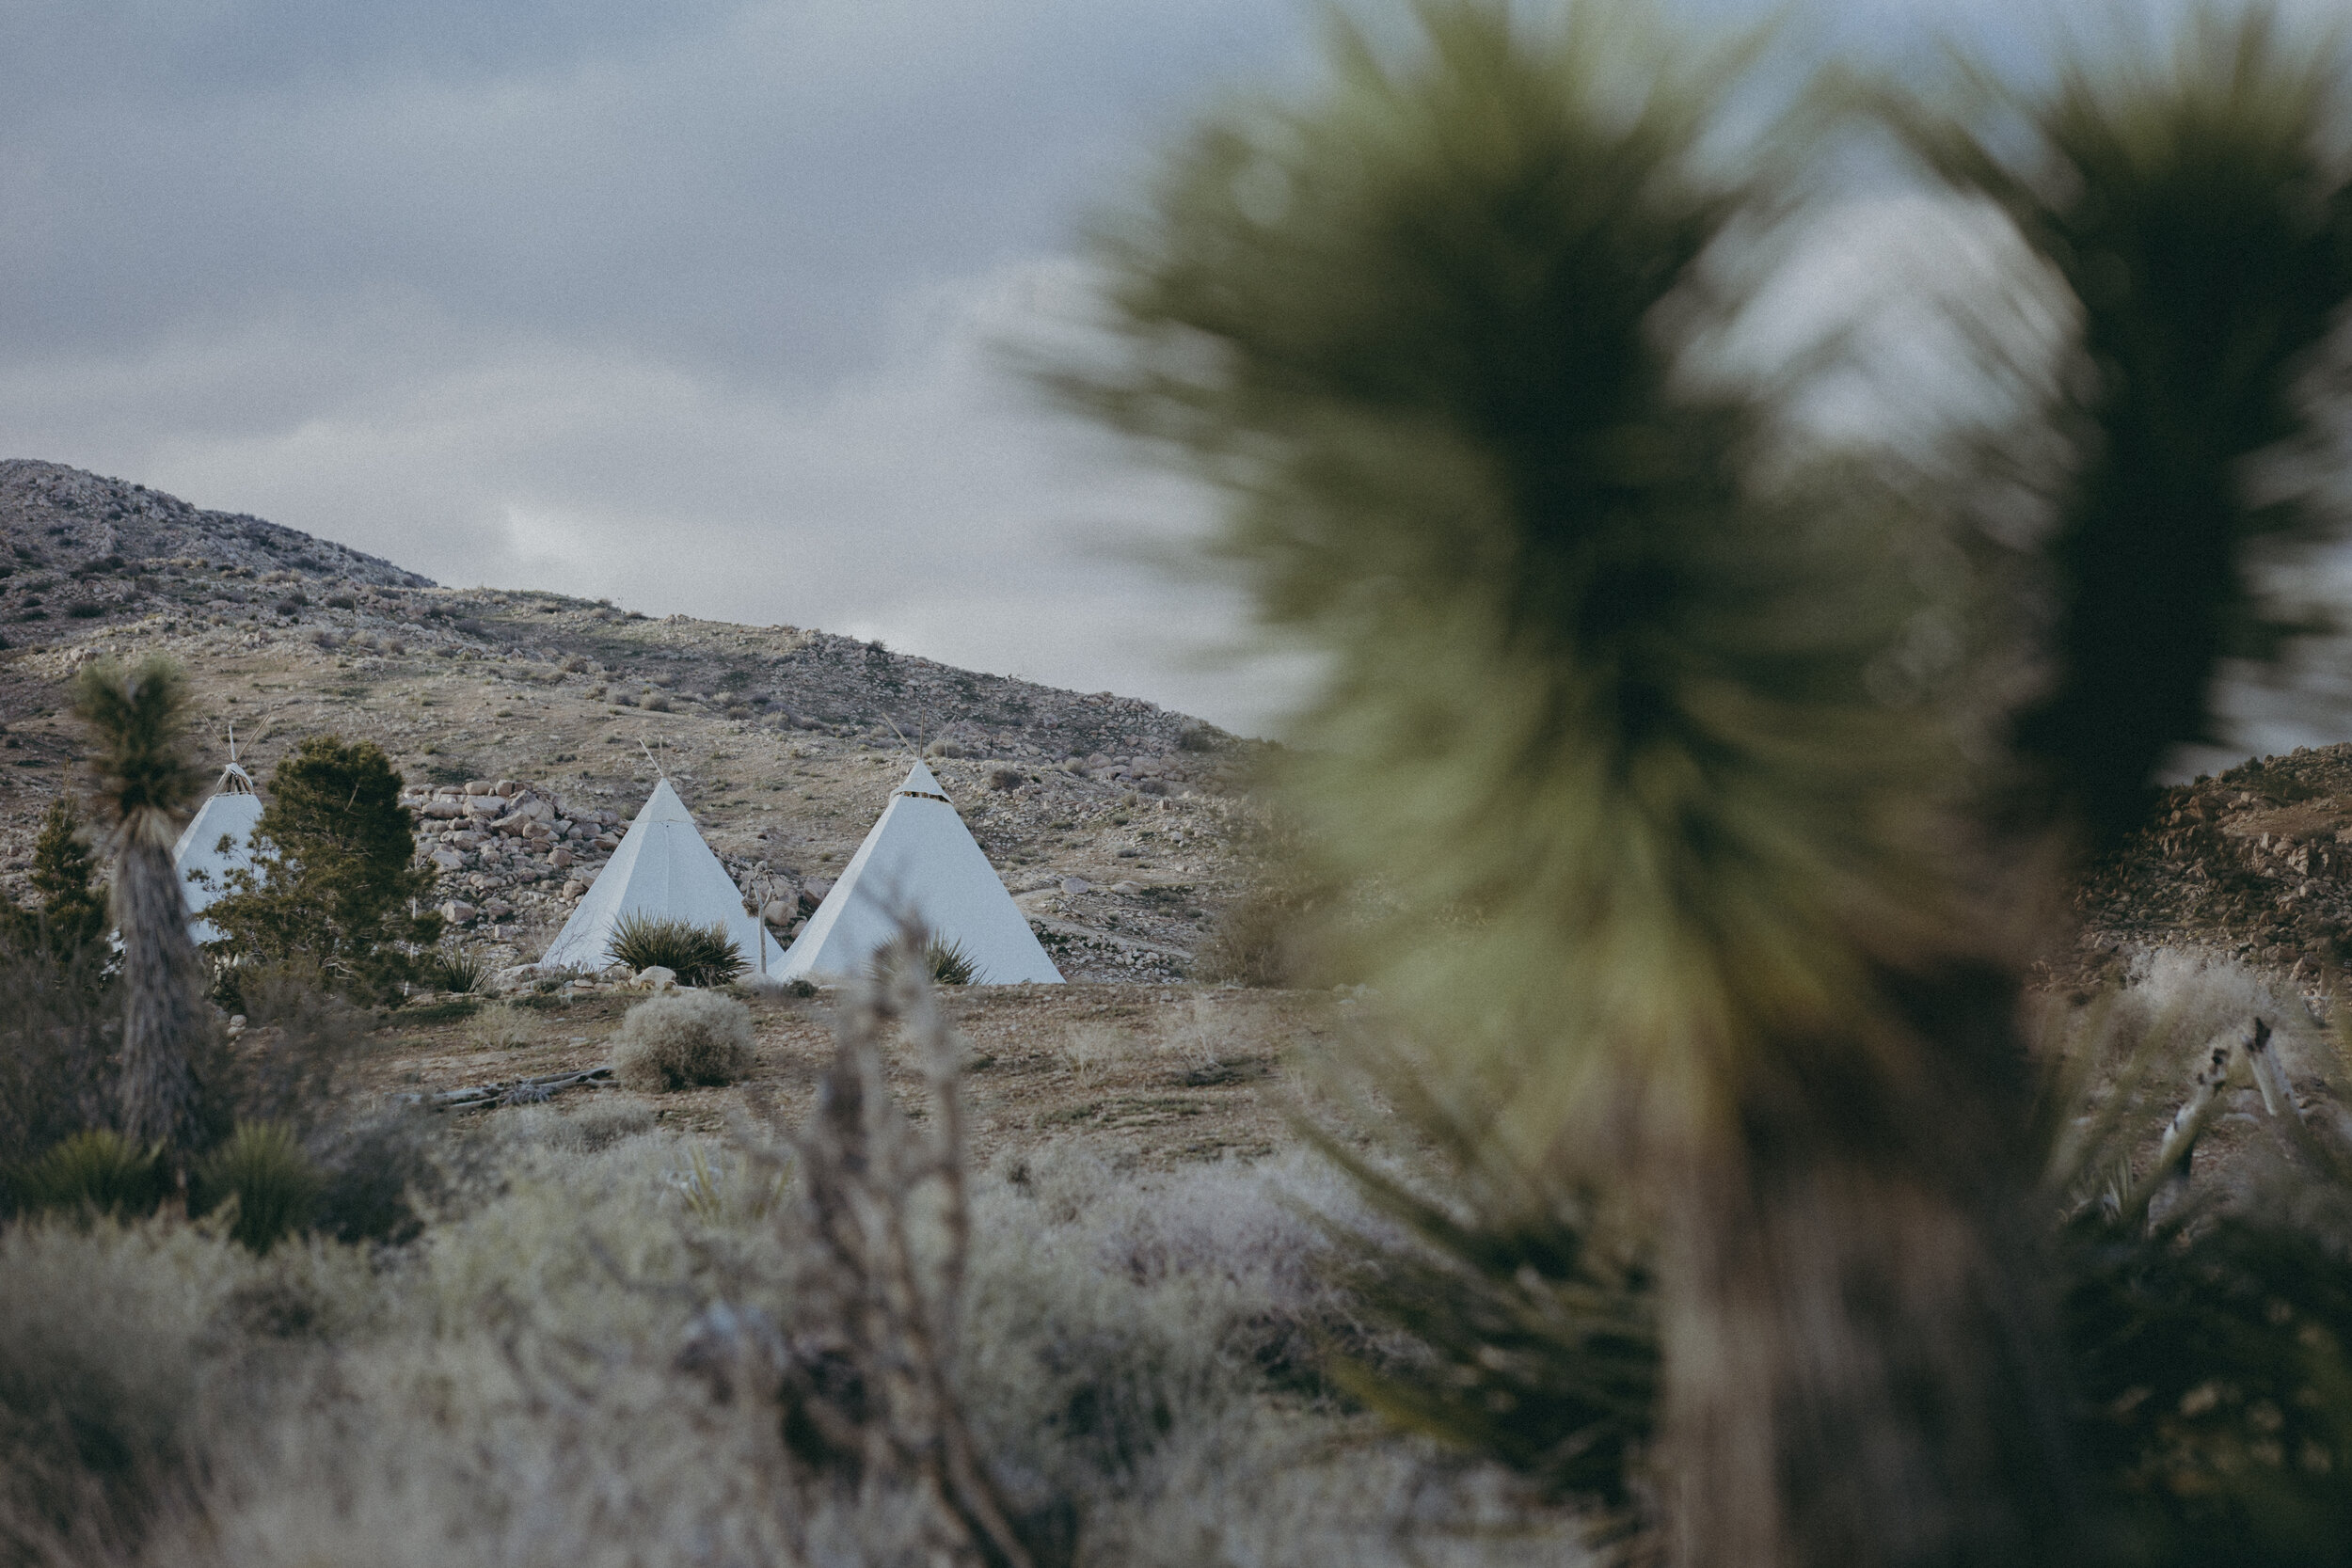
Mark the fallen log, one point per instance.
(520, 1092)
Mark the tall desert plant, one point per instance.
(143, 781)
(1711, 915)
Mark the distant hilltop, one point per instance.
(75, 544)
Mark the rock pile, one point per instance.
(496, 840)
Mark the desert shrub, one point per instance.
(93, 1173)
(72, 911)
(591, 1129)
(55, 1037)
(335, 878)
(459, 973)
(502, 1026)
(263, 1170)
(697, 955)
(671, 1042)
(289, 1064)
(377, 1170)
(1256, 939)
(101, 1379)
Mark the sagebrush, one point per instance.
(681, 1038)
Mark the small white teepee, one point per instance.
(663, 871)
(219, 840)
(919, 862)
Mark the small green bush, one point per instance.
(97, 1172)
(697, 955)
(276, 1188)
(668, 1042)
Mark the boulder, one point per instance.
(484, 806)
(573, 890)
(1075, 884)
(560, 857)
(497, 909)
(442, 809)
(448, 860)
(813, 892)
(655, 977)
(458, 913)
(480, 787)
(779, 912)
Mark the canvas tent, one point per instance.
(217, 841)
(663, 871)
(919, 862)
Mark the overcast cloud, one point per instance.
(686, 304)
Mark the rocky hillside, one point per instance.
(76, 547)
(2255, 863)
(1110, 816)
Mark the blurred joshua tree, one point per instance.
(143, 781)
(2194, 201)
(1715, 918)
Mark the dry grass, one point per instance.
(578, 1362)
(1094, 1050)
(502, 1026)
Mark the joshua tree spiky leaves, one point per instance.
(2190, 197)
(1713, 920)
(143, 783)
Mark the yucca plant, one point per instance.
(263, 1170)
(948, 963)
(143, 783)
(97, 1172)
(697, 955)
(458, 973)
(1511, 1307)
(1722, 919)
(942, 960)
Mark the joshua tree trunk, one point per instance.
(162, 1007)
(1860, 1370)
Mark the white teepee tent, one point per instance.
(664, 871)
(919, 862)
(219, 840)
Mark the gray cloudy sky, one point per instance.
(686, 304)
